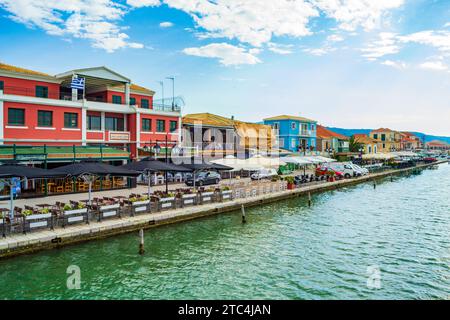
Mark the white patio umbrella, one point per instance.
(260, 161)
(325, 159)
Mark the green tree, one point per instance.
(354, 146)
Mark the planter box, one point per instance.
(36, 221)
(108, 211)
(140, 207)
(189, 200)
(74, 216)
(226, 195)
(207, 197)
(167, 203)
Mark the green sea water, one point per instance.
(392, 242)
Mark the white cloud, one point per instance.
(352, 14)
(395, 64)
(436, 39)
(434, 65)
(143, 3)
(166, 24)
(318, 51)
(282, 49)
(227, 54)
(335, 38)
(250, 21)
(385, 45)
(95, 20)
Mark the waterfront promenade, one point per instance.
(16, 244)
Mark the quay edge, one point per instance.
(43, 240)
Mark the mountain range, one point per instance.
(423, 136)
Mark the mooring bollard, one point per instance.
(374, 184)
(309, 199)
(243, 214)
(141, 242)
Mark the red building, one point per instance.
(39, 109)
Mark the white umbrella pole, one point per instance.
(11, 201)
(90, 191)
(149, 184)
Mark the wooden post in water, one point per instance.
(243, 214)
(392, 178)
(141, 242)
(309, 199)
(374, 184)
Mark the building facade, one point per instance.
(331, 142)
(388, 140)
(211, 133)
(38, 109)
(410, 141)
(368, 145)
(296, 134)
(437, 145)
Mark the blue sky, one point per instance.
(346, 63)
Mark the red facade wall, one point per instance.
(23, 87)
(30, 130)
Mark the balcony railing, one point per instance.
(169, 104)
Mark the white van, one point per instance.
(346, 168)
(357, 168)
(264, 174)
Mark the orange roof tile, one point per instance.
(11, 68)
(325, 133)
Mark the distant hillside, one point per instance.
(423, 136)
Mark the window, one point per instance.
(313, 127)
(146, 125)
(70, 120)
(370, 149)
(41, 92)
(383, 137)
(173, 126)
(145, 103)
(2, 85)
(94, 123)
(114, 124)
(281, 142)
(276, 125)
(16, 117)
(132, 101)
(293, 125)
(160, 126)
(45, 118)
(293, 143)
(117, 99)
(375, 136)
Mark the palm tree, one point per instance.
(354, 146)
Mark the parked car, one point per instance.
(346, 168)
(364, 171)
(429, 159)
(323, 171)
(203, 178)
(264, 174)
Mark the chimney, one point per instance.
(232, 117)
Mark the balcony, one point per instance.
(306, 133)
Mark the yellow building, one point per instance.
(388, 140)
(369, 145)
(228, 134)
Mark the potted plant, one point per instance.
(290, 182)
(332, 178)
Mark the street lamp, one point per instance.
(173, 91)
(162, 91)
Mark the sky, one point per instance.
(344, 63)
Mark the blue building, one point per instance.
(296, 134)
